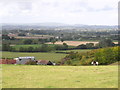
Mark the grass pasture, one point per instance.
(39, 56)
(75, 50)
(30, 76)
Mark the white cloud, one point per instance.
(63, 11)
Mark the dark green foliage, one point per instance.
(104, 56)
(107, 55)
(21, 49)
(30, 49)
(61, 47)
(42, 41)
(105, 43)
(82, 46)
(5, 47)
(28, 41)
(90, 45)
(65, 45)
(21, 34)
(5, 37)
(42, 48)
(62, 40)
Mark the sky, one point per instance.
(90, 12)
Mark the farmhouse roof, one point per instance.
(22, 62)
(7, 61)
(43, 61)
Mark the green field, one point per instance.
(75, 50)
(29, 76)
(39, 56)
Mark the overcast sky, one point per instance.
(91, 12)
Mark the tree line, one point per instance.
(46, 48)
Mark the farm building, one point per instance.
(7, 61)
(45, 62)
(24, 60)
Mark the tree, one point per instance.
(5, 37)
(90, 45)
(30, 49)
(22, 49)
(44, 48)
(35, 41)
(62, 40)
(42, 41)
(5, 47)
(105, 43)
(12, 38)
(21, 34)
(65, 45)
(53, 41)
(82, 46)
(27, 41)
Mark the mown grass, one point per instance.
(30, 76)
(1, 76)
(39, 56)
(75, 50)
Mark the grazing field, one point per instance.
(39, 56)
(75, 50)
(76, 43)
(30, 76)
(0, 76)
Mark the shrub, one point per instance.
(104, 56)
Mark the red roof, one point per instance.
(7, 61)
(43, 61)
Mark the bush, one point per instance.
(28, 41)
(104, 56)
(107, 55)
(105, 43)
(82, 46)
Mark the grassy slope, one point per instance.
(38, 56)
(0, 76)
(45, 56)
(75, 50)
(60, 76)
(116, 63)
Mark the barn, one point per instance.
(24, 60)
(44, 62)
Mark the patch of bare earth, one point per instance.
(76, 43)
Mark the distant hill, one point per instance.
(52, 25)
